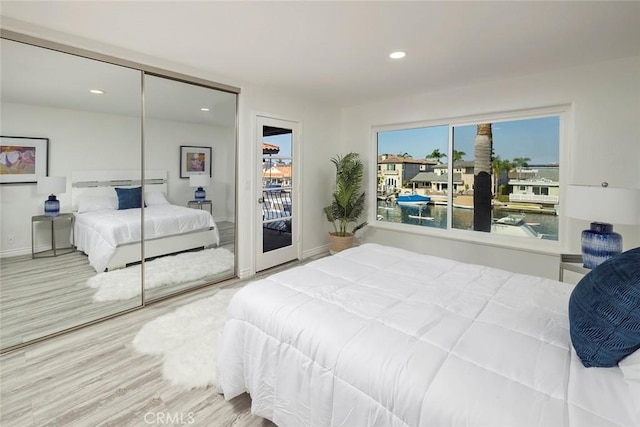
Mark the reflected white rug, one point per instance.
(188, 340)
(169, 270)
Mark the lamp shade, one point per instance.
(199, 180)
(603, 204)
(52, 185)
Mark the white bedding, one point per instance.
(378, 336)
(99, 233)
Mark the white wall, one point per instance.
(603, 143)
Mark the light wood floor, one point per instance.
(39, 297)
(94, 377)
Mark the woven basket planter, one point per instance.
(339, 243)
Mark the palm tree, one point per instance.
(497, 167)
(482, 179)
(521, 162)
(457, 155)
(404, 155)
(436, 155)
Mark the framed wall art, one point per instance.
(23, 160)
(194, 161)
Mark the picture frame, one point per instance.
(194, 160)
(23, 159)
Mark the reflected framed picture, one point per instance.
(194, 161)
(23, 160)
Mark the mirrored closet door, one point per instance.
(189, 158)
(105, 204)
(67, 124)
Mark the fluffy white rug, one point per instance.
(169, 270)
(188, 340)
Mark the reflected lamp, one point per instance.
(199, 181)
(604, 206)
(52, 185)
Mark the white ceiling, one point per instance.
(337, 52)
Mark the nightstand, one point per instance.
(572, 269)
(53, 220)
(198, 204)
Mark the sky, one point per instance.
(282, 141)
(537, 139)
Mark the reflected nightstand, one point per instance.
(198, 204)
(572, 269)
(54, 251)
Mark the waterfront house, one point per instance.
(535, 184)
(394, 171)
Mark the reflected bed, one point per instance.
(110, 234)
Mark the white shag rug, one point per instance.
(188, 340)
(169, 270)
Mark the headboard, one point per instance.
(103, 183)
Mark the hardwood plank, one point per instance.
(94, 377)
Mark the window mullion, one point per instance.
(450, 188)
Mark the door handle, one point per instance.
(261, 200)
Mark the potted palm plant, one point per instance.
(347, 201)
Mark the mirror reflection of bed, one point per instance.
(182, 245)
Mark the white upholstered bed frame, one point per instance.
(97, 183)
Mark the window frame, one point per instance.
(565, 114)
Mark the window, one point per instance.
(504, 176)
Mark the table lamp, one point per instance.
(604, 206)
(199, 181)
(52, 185)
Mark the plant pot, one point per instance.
(339, 243)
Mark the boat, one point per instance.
(514, 225)
(412, 200)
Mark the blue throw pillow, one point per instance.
(604, 311)
(129, 198)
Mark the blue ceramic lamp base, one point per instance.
(51, 206)
(599, 243)
(200, 194)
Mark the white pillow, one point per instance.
(630, 367)
(155, 198)
(97, 203)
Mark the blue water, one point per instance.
(436, 216)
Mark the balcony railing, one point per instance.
(276, 203)
(534, 198)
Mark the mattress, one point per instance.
(379, 336)
(99, 233)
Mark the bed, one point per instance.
(111, 236)
(380, 336)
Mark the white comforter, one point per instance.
(99, 233)
(378, 336)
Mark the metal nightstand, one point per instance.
(198, 204)
(54, 251)
(573, 265)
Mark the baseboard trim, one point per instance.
(319, 250)
(19, 251)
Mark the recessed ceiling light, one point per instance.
(397, 55)
(97, 91)
(204, 109)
